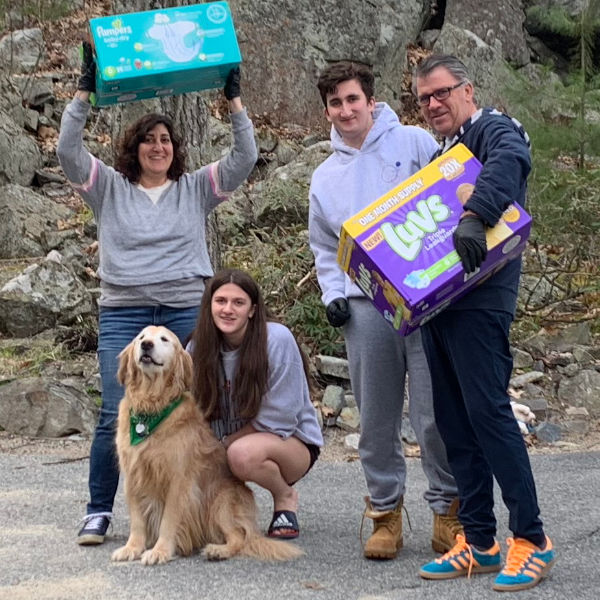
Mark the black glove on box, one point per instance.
(470, 243)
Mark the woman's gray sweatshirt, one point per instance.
(152, 253)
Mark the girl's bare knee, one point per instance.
(240, 461)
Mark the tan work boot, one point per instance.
(386, 539)
(446, 528)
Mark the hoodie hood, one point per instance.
(384, 119)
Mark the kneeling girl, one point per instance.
(251, 382)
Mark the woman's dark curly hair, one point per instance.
(127, 161)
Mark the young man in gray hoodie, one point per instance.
(372, 153)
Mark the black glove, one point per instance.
(470, 243)
(338, 312)
(87, 81)
(232, 84)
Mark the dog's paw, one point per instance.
(156, 556)
(126, 553)
(216, 552)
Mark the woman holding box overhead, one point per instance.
(153, 258)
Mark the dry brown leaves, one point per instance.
(69, 31)
(48, 144)
(104, 139)
(411, 115)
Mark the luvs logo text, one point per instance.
(406, 238)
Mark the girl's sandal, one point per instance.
(284, 525)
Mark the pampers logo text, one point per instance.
(405, 239)
(102, 32)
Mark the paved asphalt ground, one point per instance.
(41, 500)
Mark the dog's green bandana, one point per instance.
(142, 425)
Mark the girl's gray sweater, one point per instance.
(286, 408)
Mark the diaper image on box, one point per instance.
(403, 242)
(172, 37)
(417, 279)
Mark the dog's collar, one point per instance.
(141, 425)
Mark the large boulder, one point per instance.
(22, 50)
(581, 390)
(36, 91)
(559, 340)
(488, 70)
(282, 198)
(19, 154)
(10, 100)
(286, 44)
(41, 297)
(41, 407)
(26, 220)
(499, 24)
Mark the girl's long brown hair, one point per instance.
(252, 377)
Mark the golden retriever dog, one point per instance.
(178, 487)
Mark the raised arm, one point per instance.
(239, 162)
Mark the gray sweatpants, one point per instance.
(379, 360)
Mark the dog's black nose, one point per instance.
(147, 345)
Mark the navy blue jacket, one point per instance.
(502, 147)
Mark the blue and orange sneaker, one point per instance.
(526, 565)
(462, 559)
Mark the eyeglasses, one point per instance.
(440, 94)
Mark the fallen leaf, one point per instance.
(313, 585)
(327, 411)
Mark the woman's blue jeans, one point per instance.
(117, 327)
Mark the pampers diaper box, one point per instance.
(163, 52)
(399, 249)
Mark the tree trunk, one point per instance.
(189, 113)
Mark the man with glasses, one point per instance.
(467, 345)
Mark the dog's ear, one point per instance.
(188, 370)
(183, 370)
(126, 370)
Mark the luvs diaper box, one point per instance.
(163, 52)
(399, 249)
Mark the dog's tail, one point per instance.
(264, 548)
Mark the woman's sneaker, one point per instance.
(526, 565)
(462, 560)
(94, 528)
